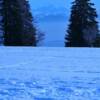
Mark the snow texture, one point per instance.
(49, 73)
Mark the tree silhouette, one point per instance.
(83, 27)
(18, 24)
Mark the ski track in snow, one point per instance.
(49, 73)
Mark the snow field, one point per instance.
(49, 73)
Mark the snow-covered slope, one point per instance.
(49, 73)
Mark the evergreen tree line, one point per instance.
(17, 24)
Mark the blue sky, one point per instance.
(47, 2)
(66, 3)
(59, 3)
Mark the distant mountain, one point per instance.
(50, 13)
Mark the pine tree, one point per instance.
(12, 23)
(29, 29)
(83, 27)
(18, 26)
(1, 23)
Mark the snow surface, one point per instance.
(49, 73)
